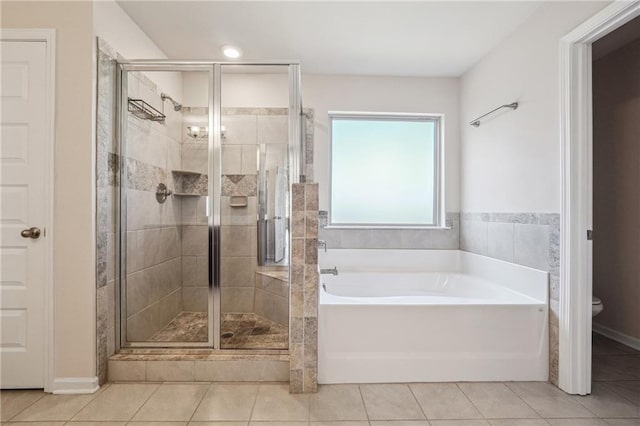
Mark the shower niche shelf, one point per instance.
(186, 172)
(185, 194)
(189, 183)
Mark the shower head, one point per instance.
(176, 105)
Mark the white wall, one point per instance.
(74, 259)
(326, 93)
(511, 163)
(239, 90)
(113, 25)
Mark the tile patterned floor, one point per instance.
(239, 331)
(615, 401)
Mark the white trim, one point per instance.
(49, 37)
(576, 153)
(625, 339)
(75, 385)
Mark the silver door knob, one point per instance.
(31, 233)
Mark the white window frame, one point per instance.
(438, 202)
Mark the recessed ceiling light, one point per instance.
(231, 52)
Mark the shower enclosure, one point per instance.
(207, 155)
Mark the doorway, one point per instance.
(616, 205)
(576, 136)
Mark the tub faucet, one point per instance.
(322, 244)
(332, 271)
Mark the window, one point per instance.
(385, 170)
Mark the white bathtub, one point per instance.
(430, 316)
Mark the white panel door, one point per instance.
(23, 127)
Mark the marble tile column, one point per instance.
(304, 289)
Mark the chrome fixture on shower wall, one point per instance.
(177, 106)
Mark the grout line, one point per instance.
(612, 389)
(255, 400)
(364, 404)
(204, 394)
(95, 395)
(416, 401)
(522, 399)
(145, 401)
(25, 408)
(470, 400)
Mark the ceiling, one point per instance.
(371, 38)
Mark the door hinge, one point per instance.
(589, 234)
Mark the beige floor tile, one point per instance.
(462, 422)
(156, 423)
(337, 402)
(518, 422)
(496, 401)
(279, 423)
(96, 423)
(576, 422)
(399, 423)
(605, 402)
(47, 423)
(603, 371)
(604, 346)
(227, 402)
(549, 401)
(12, 402)
(192, 423)
(345, 423)
(623, 422)
(118, 402)
(174, 402)
(390, 402)
(54, 408)
(628, 389)
(444, 401)
(274, 402)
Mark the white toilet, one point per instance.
(596, 306)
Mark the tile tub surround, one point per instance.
(393, 238)
(304, 289)
(529, 239)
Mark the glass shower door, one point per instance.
(254, 206)
(164, 194)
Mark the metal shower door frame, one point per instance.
(296, 160)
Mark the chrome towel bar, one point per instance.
(476, 122)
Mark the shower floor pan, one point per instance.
(238, 331)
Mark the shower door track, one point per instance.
(213, 68)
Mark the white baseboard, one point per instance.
(619, 337)
(75, 385)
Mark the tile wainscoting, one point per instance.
(447, 239)
(529, 239)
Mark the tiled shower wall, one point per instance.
(106, 223)
(194, 227)
(529, 239)
(154, 276)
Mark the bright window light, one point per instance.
(384, 170)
